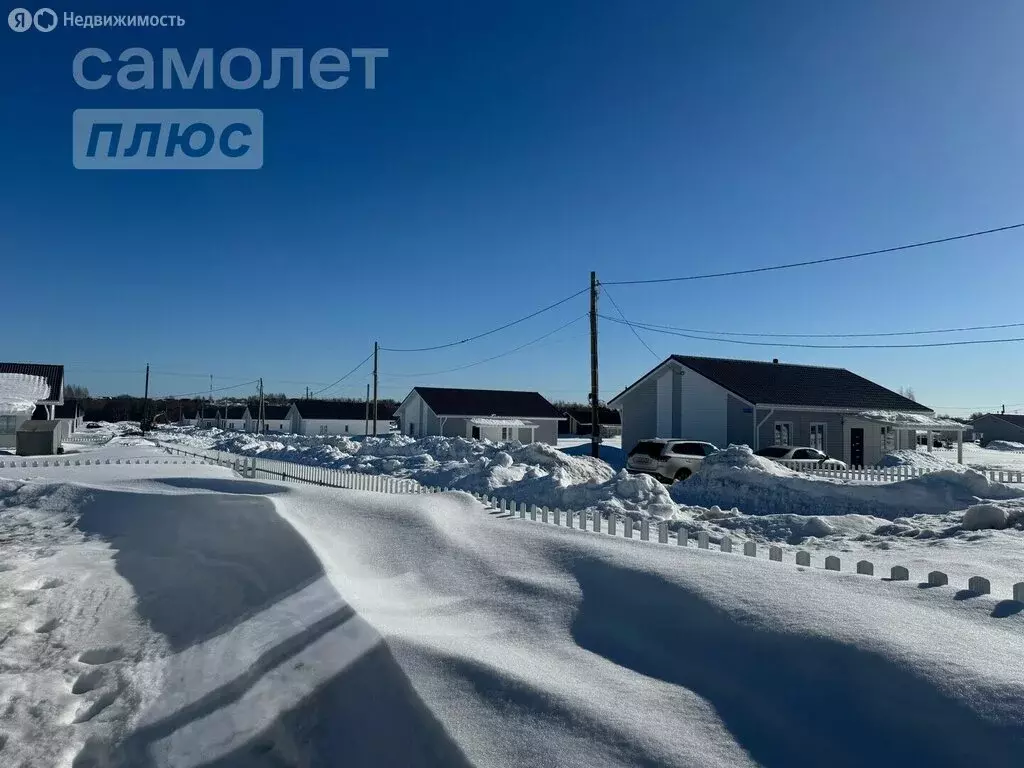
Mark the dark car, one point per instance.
(92, 425)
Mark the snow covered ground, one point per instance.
(191, 618)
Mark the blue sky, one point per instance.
(508, 150)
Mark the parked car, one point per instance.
(92, 425)
(668, 460)
(797, 457)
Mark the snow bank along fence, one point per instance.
(580, 520)
(40, 462)
(253, 467)
(84, 438)
(895, 474)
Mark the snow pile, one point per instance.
(534, 473)
(985, 516)
(919, 460)
(19, 392)
(737, 477)
(1004, 445)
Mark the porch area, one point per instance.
(499, 429)
(869, 435)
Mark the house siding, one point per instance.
(740, 427)
(639, 409)
(992, 428)
(836, 442)
(704, 409)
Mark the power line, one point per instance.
(486, 333)
(207, 391)
(835, 335)
(332, 386)
(811, 262)
(623, 316)
(494, 357)
(658, 329)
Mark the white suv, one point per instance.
(668, 460)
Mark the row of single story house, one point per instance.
(301, 417)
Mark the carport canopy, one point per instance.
(500, 421)
(917, 421)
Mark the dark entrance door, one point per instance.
(856, 447)
(476, 433)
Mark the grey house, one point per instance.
(492, 414)
(771, 403)
(1000, 426)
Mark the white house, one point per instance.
(762, 403)
(71, 416)
(23, 387)
(209, 416)
(276, 418)
(337, 417)
(234, 417)
(492, 414)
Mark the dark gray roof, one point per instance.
(1011, 418)
(348, 410)
(70, 410)
(54, 375)
(807, 385)
(487, 402)
(275, 412)
(234, 411)
(209, 412)
(770, 383)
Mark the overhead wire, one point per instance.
(486, 333)
(829, 260)
(672, 332)
(623, 316)
(364, 361)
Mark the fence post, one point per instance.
(568, 518)
(558, 516)
(803, 558)
(775, 553)
(597, 521)
(583, 519)
(627, 524)
(938, 579)
(543, 514)
(832, 563)
(663, 532)
(750, 548)
(533, 511)
(1018, 591)
(682, 537)
(645, 530)
(703, 540)
(726, 544)
(866, 568)
(979, 585)
(611, 524)
(899, 573)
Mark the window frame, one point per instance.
(822, 435)
(789, 433)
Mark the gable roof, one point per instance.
(275, 412)
(608, 416)
(69, 410)
(234, 412)
(769, 383)
(1010, 418)
(54, 375)
(209, 412)
(347, 410)
(487, 402)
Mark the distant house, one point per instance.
(23, 387)
(1000, 426)
(71, 415)
(234, 417)
(209, 416)
(771, 403)
(275, 417)
(189, 418)
(337, 417)
(492, 414)
(578, 421)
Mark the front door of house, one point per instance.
(856, 447)
(476, 433)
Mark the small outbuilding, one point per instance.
(39, 438)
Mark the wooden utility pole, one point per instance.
(145, 402)
(376, 352)
(366, 424)
(595, 418)
(261, 419)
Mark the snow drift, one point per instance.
(757, 486)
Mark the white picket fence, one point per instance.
(56, 462)
(84, 438)
(895, 474)
(255, 467)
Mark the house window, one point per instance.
(505, 433)
(346, 427)
(783, 433)
(323, 429)
(818, 436)
(8, 424)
